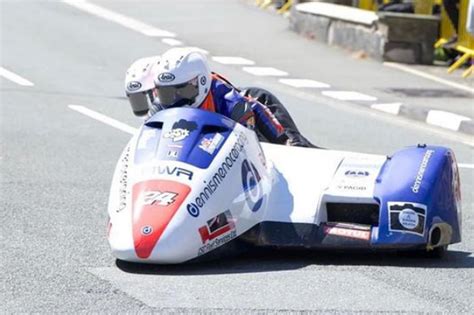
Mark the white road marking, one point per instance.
(445, 119)
(14, 77)
(118, 18)
(304, 83)
(400, 121)
(265, 71)
(349, 96)
(233, 61)
(464, 165)
(104, 119)
(172, 42)
(391, 108)
(428, 76)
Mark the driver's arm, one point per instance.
(255, 115)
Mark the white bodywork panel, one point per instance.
(304, 179)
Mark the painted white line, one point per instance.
(118, 18)
(428, 76)
(233, 61)
(445, 119)
(265, 71)
(14, 77)
(104, 119)
(304, 83)
(464, 165)
(172, 42)
(349, 96)
(391, 108)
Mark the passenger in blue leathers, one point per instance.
(182, 78)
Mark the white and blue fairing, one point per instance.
(198, 183)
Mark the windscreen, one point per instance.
(187, 135)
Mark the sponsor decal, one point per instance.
(159, 198)
(123, 183)
(169, 170)
(348, 232)
(147, 230)
(251, 183)
(155, 202)
(193, 210)
(166, 77)
(217, 231)
(133, 86)
(407, 217)
(352, 187)
(181, 129)
(415, 188)
(173, 154)
(213, 183)
(356, 173)
(361, 165)
(210, 145)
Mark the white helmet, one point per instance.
(183, 78)
(139, 84)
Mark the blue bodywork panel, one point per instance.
(416, 188)
(195, 138)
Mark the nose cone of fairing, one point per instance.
(155, 203)
(176, 244)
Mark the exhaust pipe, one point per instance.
(439, 235)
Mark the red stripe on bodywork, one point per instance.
(153, 218)
(349, 233)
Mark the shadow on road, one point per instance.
(281, 260)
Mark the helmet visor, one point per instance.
(140, 102)
(178, 95)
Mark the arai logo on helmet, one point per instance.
(133, 86)
(166, 77)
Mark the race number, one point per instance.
(159, 198)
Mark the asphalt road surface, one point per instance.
(57, 164)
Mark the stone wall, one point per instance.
(399, 37)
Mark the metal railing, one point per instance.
(465, 40)
(263, 4)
